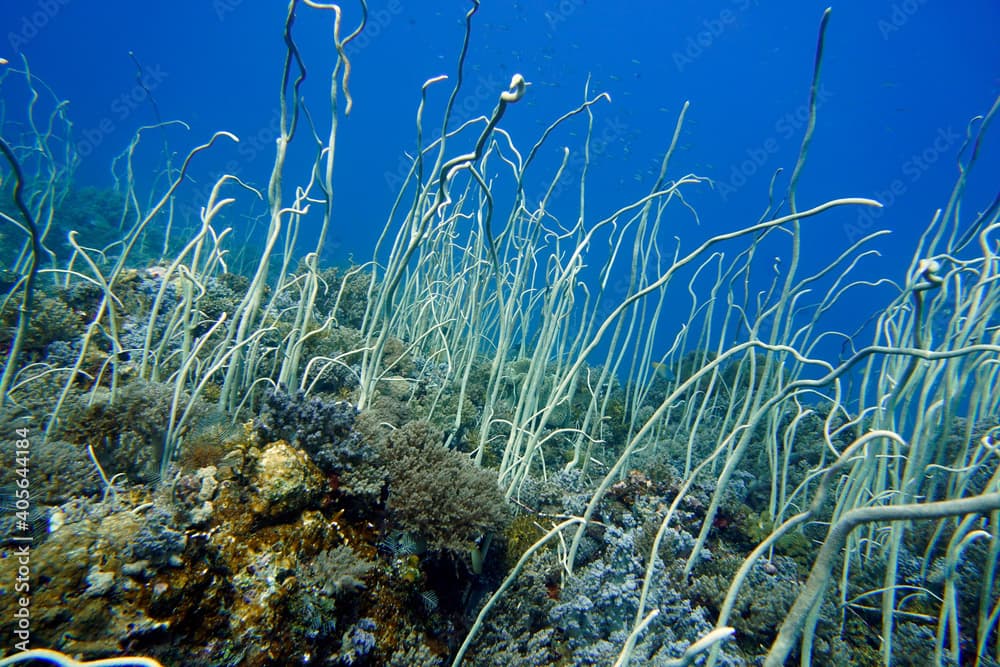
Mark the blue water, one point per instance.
(900, 81)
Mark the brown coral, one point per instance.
(438, 493)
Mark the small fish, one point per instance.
(662, 370)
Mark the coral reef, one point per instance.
(255, 460)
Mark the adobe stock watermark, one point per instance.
(248, 150)
(22, 538)
(899, 15)
(609, 132)
(34, 22)
(480, 98)
(224, 8)
(911, 171)
(785, 128)
(710, 31)
(563, 11)
(378, 21)
(121, 109)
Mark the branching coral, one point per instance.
(438, 493)
(323, 428)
